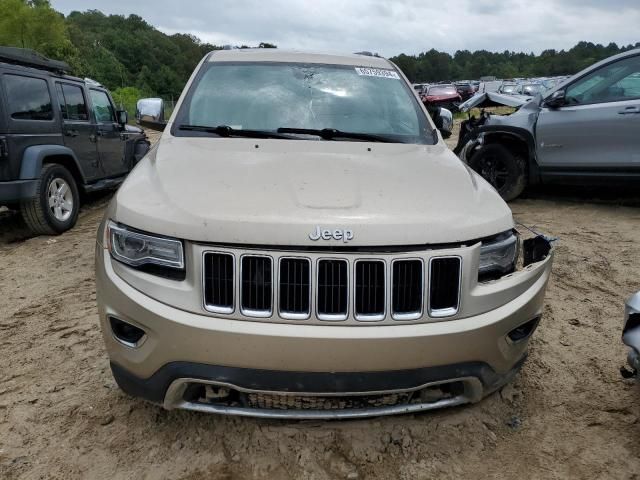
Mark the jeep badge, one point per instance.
(326, 234)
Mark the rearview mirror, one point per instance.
(443, 120)
(123, 118)
(556, 99)
(150, 113)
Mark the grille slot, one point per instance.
(444, 286)
(407, 289)
(295, 288)
(333, 288)
(370, 290)
(218, 282)
(256, 286)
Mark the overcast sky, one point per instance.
(389, 27)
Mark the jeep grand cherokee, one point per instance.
(301, 243)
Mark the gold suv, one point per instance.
(301, 243)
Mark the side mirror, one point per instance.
(150, 113)
(123, 118)
(556, 99)
(444, 122)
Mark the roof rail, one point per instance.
(31, 58)
(92, 82)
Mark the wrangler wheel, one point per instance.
(54, 208)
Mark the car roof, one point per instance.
(24, 69)
(568, 79)
(294, 56)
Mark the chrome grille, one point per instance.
(370, 290)
(444, 290)
(295, 288)
(333, 289)
(256, 286)
(406, 297)
(219, 288)
(347, 287)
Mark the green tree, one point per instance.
(127, 98)
(34, 24)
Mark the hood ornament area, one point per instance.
(326, 234)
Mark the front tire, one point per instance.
(506, 172)
(54, 209)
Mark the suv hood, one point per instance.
(276, 192)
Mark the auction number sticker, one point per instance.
(377, 72)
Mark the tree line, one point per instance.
(134, 59)
(126, 54)
(434, 66)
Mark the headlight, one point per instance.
(498, 256)
(139, 249)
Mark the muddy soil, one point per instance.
(569, 414)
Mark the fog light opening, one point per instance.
(524, 331)
(127, 334)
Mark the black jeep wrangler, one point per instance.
(60, 136)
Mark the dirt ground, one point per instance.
(569, 414)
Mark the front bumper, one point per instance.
(311, 395)
(467, 358)
(17, 190)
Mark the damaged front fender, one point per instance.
(515, 132)
(520, 125)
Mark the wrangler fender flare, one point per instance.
(34, 156)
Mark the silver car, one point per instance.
(631, 334)
(584, 130)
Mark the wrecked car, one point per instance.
(466, 90)
(276, 257)
(584, 130)
(631, 335)
(529, 89)
(445, 96)
(508, 88)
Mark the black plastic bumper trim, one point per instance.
(155, 387)
(17, 190)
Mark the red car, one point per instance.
(445, 96)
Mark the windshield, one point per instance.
(532, 88)
(445, 90)
(508, 87)
(270, 96)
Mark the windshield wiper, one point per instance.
(331, 133)
(227, 131)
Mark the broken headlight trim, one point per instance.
(498, 256)
(138, 249)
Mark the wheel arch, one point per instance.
(37, 155)
(518, 141)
